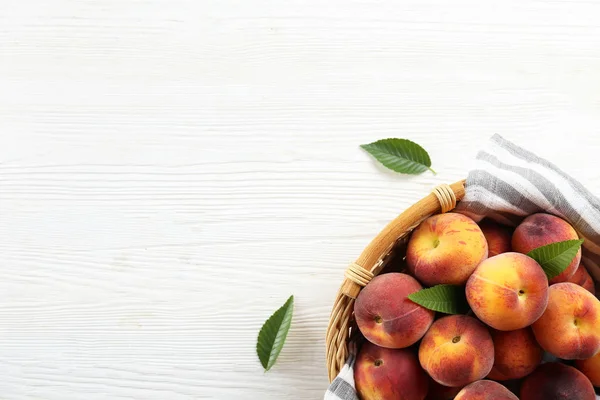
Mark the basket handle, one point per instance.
(443, 198)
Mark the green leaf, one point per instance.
(556, 257)
(449, 299)
(273, 333)
(400, 155)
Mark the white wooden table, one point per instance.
(172, 170)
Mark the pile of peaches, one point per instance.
(524, 335)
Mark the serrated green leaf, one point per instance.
(448, 299)
(556, 257)
(273, 333)
(400, 155)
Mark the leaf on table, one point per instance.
(448, 299)
(273, 333)
(556, 257)
(400, 155)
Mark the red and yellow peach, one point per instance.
(457, 350)
(389, 374)
(582, 278)
(485, 390)
(570, 326)
(555, 381)
(445, 248)
(590, 368)
(385, 315)
(516, 354)
(498, 237)
(541, 229)
(508, 291)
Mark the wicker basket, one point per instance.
(371, 262)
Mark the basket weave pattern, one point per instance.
(372, 260)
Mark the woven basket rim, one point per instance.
(442, 199)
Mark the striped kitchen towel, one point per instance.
(342, 387)
(508, 183)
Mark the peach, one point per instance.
(516, 354)
(445, 248)
(582, 278)
(590, 368)
(390, 374)
(457, 350)
(508, 291)
(485, 390)
(570, 326)
(498, 237)
(555, 381)
(441, 392)
(386, 316)
(541, 229)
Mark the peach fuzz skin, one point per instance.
(516, 354)
(389, 374)
(555, 381)
(498, 237)
(541, 229)
(385, 315)
(583, 278)
(508, 291)
(590, 368)
(457, 350)
(445, 248)
(570, 326)
(485, 390)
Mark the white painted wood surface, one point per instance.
(172, 170)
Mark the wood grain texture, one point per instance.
(172, 170)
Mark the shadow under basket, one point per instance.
(374, 258)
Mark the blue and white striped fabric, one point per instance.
(507, 184)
